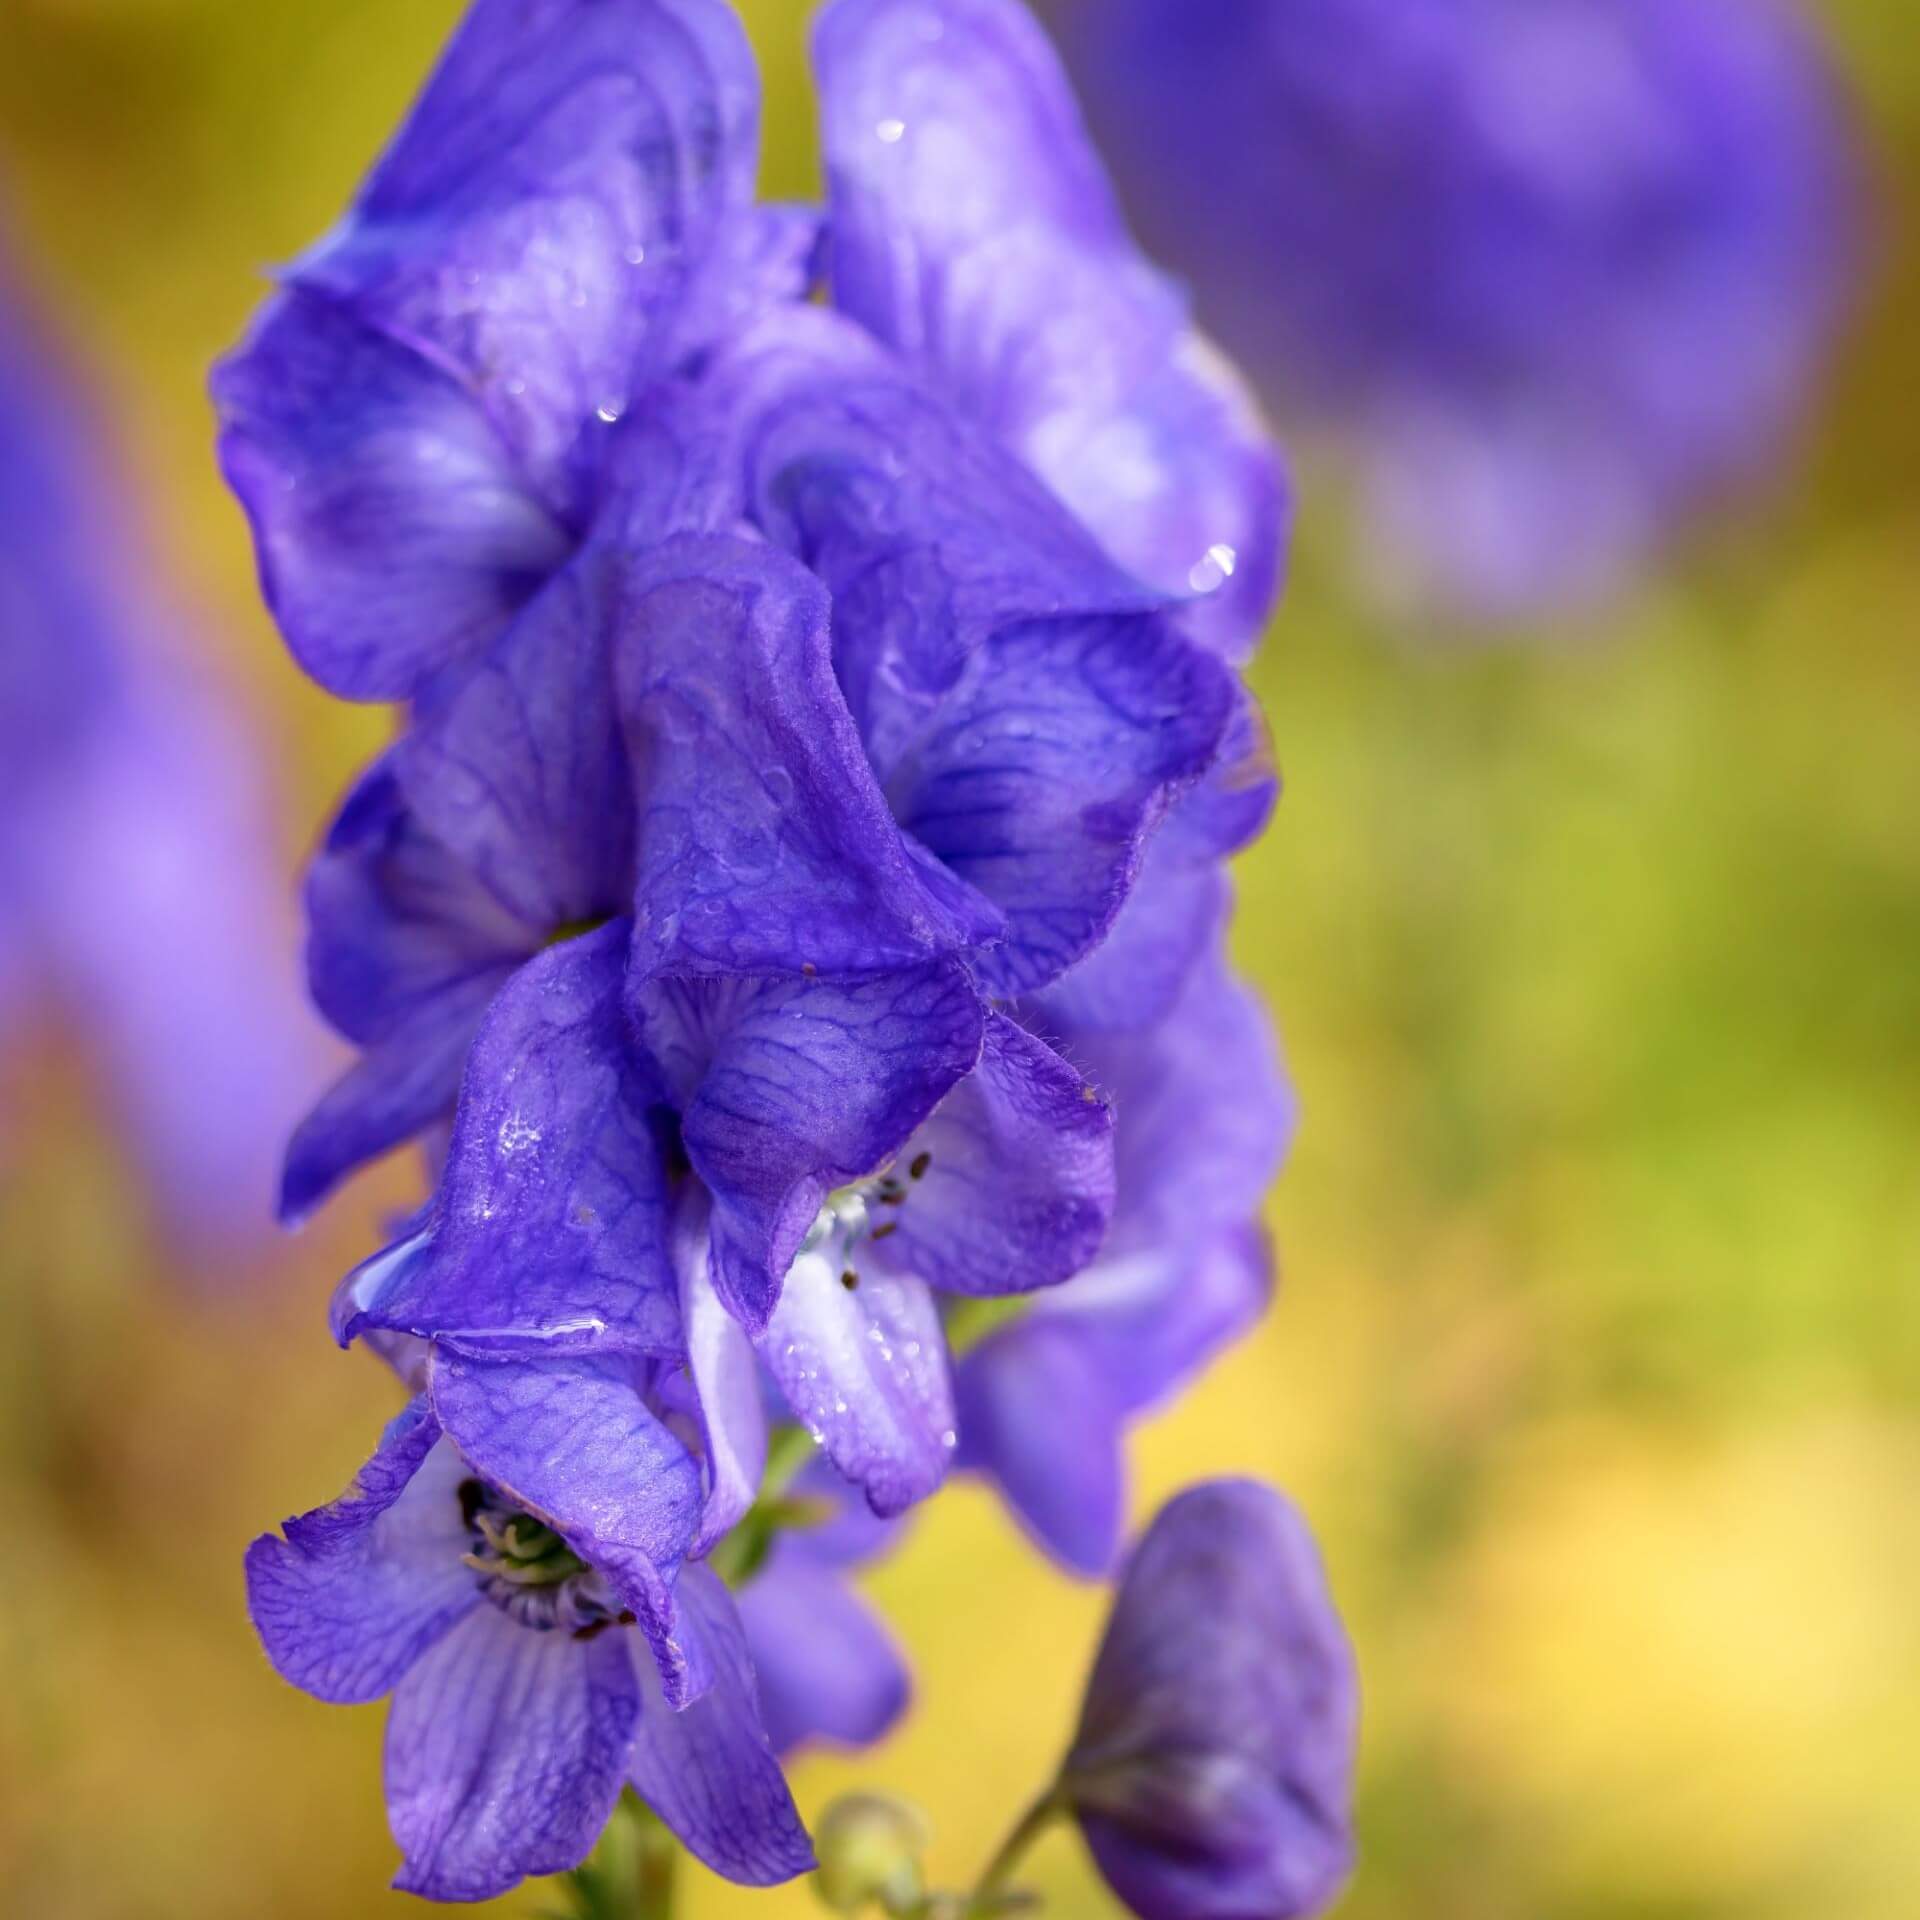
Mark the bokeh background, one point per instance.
(1596, 1360)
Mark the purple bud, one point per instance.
(1212, 1772)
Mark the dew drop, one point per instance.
(891, 131)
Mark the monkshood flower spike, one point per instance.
(790, 916)
(1554, 275)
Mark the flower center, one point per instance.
(528, 1571)
(863, 1211)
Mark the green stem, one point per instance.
(992, 1884)
(653, 1875)
(631, 1874)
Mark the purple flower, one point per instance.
(828, 1669)
(746, 1172)
(1212, 1770)
(1203, 1117)
(505, 1593)
(1554, 272)
(137, 888)
(821, 672)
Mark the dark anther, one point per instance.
(880, 1233)
(892, 1193)
(921, 1162)
(600, 1626)
(849, 1279)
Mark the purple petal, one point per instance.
(975, 232)
(827, 1668)
(543, 225)
(726, 1380)
(505, 1754)
(1047, 769)
(766, 843)
(550, 1227)
(789, 1089)
(1206, 1114)
(392, 530)
(1029, 711)
(1134, 978)
(1037, 1412)
(708, 1770)
(573, 1441)
(396, 1090)
(1212, 1771)
(865, 1371)
(1016, 1184)
(357, 1591)
(521, 776)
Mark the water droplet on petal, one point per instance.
(891, 131)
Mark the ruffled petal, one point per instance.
(550, 1226)
(865, 1371)
(788, 1089)
(357, 1591)
(974, 230)
(543, 224)
(826, 1666)
(573, 1441)
(392, 530)
(766, 844)
(505, 1754)
(520, 777)
(708, 1770)
(1047, 769)
(1009, 1186)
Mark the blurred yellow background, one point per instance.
(1596, 1359)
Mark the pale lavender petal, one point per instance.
(726, 1380)
(865, 1371)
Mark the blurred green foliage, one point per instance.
(1597, 1359)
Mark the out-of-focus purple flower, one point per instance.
(1202, 1120)
(1556, 272)
(505, 1597)
(137, 889)
(1212, 1770)
(828, 1670)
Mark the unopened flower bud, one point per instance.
(1212, 1772)
(869, 1847)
